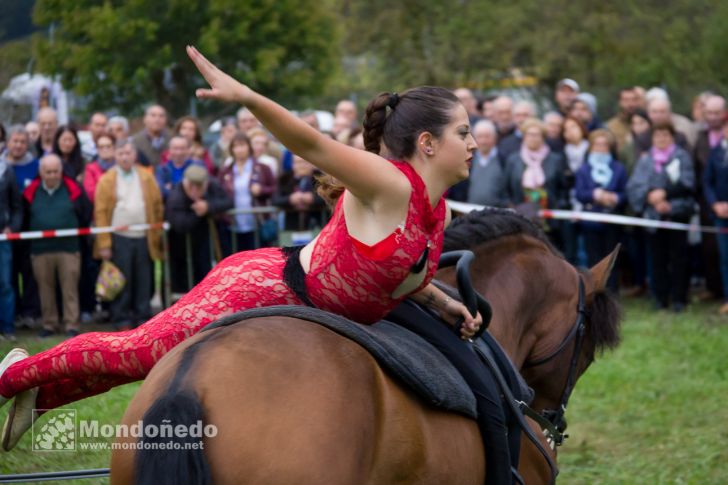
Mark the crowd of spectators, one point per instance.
(53, 178)
(645, 161)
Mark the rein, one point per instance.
(553, 420)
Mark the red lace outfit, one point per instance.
(346, 277)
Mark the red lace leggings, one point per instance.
(95, 362)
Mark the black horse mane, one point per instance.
(490, 223)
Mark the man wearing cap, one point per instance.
(566, 91)
(127, 195)
(191, 208)
(584, 109)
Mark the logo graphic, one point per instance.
(58, 433)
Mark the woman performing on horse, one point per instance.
(381, 245)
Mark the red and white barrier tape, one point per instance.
(81, 231)
(464, 208)
(461, 207)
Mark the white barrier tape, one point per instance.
(81, 231)
(464, 208)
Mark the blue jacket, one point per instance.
(168, 175)
(715, 177)
(585, 186)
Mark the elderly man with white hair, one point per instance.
(523, 110)
(18, 156)
(487, 177)
(47, 120)
(126, 195)
(509, 138)
(658, 101)
(246, 120)
(119, 127)
(659, 110)
(55, 201)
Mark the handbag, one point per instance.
(268, 231)
(110, 283)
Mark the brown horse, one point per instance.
(295, 402)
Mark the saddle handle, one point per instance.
(473, 301)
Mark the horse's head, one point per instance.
(549, 331)
(587, 324)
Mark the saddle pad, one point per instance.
(403, 354)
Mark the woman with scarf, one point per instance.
(535, 175)
(576, 147)
(576, 143)
(601, 185)
(639, 139)
(661, 188)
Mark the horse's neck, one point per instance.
(512, 278)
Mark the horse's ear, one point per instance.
(600, 272)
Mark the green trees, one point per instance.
(124, 53)
(603, 45)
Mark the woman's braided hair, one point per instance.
(392, 123)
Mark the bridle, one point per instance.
(552, 421)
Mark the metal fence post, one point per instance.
(166, 278)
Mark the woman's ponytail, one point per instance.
(329, 189)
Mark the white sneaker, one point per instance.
(20, 418)
(15, 355)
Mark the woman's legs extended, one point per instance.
(95, 362)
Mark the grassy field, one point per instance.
(650, 412)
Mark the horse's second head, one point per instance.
(534, 293)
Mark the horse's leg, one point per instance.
(294, 402)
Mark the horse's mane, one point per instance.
(488, 224)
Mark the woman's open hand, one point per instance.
(223, 87)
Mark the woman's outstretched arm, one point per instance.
(367, 176)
